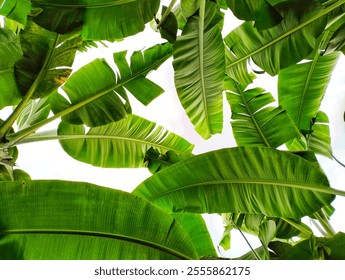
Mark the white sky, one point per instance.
(47, 160)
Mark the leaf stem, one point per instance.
(325, 224)
(13, 117)
(166, 13)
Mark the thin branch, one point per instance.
(247, 241)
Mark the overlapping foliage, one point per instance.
(257, 187)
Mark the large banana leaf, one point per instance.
(253, 122)
(295, 35)
(195, 226)
(119, 144)
(95, 89)
(301, 87)
(260, 11)
(16, 10)
(72, 220)
(10, 52)
(199, 69)
(47, 60)
(102, 19)
(240, 180)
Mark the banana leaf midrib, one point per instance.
(86, 136)
(272, 183)
(288, 33)
(86, 6)
(97, 234)
(201, 59)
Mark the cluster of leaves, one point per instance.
(256, 187)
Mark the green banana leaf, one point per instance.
(241, 180)
(16, 10)
(96, 79)
(199, 61)
(10, 52)
(301, 87)
(295, 35)
(47, 60)
(195, 226)
(101, 19)
(119, 144)
(72, 220)
(253, 122)
(260, 11)
(94, 91)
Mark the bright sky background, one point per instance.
(47, 160)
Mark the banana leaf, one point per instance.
(119, 144)
(241, 180)
(10, 52)
(295, 35)
(100, 19)
(253, 122)
(96, 93)
(260, 11)
(72, 220)
(301, 87)
(199, 61)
